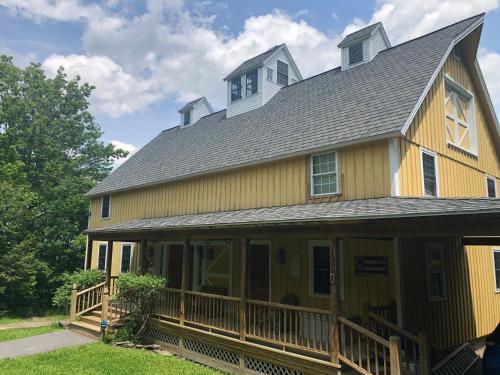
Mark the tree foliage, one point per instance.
(83, 279)
(50, 156)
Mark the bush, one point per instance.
(83, 279)
(142, 291)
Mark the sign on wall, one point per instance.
(371, 265)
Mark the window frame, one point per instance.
(252, 84)
(130, 257)
(311, 245)
(459, 90)
(270, 71)
(436, 171)
(495, 281)
(281, 74)
(312, 175)
(187, 114)
(491, 178)
(240, 88)
(360, 44)
(109, 207)
(105, 245)
(442, 272)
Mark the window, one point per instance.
(491, 187)
(126, 257)
(187, 117)
(429, 176)
(269, 74)
(282, 77)
(102, 257)
(435, 271)
(105, 206)
(319, 268)
(252, 82)
(496, 269)
(460, 130)
(235, 89)
(356, 53)
(324, 174)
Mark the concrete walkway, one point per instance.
(42, 343)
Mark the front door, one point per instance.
(259, 272)
(175, 266)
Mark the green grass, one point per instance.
(12, 319)
(19, 333)
(99, 358)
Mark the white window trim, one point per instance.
(443, 273)
(131, 254)
(109, 208)
(471, 125)
(488, 177)
(433, 154)
(312, 175)
(495, 250)
(311, 245)
(268, 69)
(99, 244)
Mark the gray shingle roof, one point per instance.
(254, 62)
(359, 35)
(329, 110)
(190, 104)
(368, 209)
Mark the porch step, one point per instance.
(92, 319)
(86, 328)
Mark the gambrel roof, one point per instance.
(376, 100)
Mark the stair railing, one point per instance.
(85, 300)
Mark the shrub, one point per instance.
(83, 279)
(142, 292)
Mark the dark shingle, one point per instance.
(359, 35)
(252, 63)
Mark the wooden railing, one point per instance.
(212, 311)
(85, 300)
(290, 326)
(168, 305)
(366, 352)
(113, 289)
(414, 348)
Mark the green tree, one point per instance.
(51, 154)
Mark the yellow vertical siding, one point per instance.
(115, 266)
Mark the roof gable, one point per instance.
(252, 63)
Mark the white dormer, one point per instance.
(194, 110)
(363, 45)
(257, 80)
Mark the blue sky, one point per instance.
(147, 58)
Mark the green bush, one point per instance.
(83, 279)
(142, 292)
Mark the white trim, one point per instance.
(413, 113)
(436, 171)
(99, 244)
(109, 206)
(270, 251)
(121, 256)
(394, 166)
(427, 246)
(86, 251)
(290, 60)
(488, 177)
(312, 175)
(495, 250)
(310, 268)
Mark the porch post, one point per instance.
(143, 258)
(88, 253)
(109, 262)
(334, 336)
(243, 280)
(182, 309)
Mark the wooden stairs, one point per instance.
(89, 324)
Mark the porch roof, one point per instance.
(356, 210)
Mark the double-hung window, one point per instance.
(435, 271)
(496, 268)
(429, 173)
(187, 118)
(491, 187)
(356, 53)
(459, 118)
(105, 206)
(324, 179)
(126, 258)
(235, 89)
(102, 257)
(319, 268)
(252, 82)
(282, 76)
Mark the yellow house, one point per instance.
(346, 219)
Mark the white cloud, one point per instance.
(490, 63)
(124, 146)
(20, 59)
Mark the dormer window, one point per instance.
(187, 118)
(282, 77)
(356, 53)
(235, 89)
(252, 82)
(270, 74)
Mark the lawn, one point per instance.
(99, 358)
(19, 333)
(13, 319)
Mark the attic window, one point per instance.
(270, 74)
(235, 89)
(282, 77)
(252, 82)
(105, 206)
(356, 53)
(187, 117)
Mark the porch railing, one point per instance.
(168, 305)
(85, 300)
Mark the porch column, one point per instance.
(334, 335)
(182, 309)
(88, 253)
(143, 258)
(245, 243)
(109, 262)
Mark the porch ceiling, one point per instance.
(453, 212)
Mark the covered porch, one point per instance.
(303, 293)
